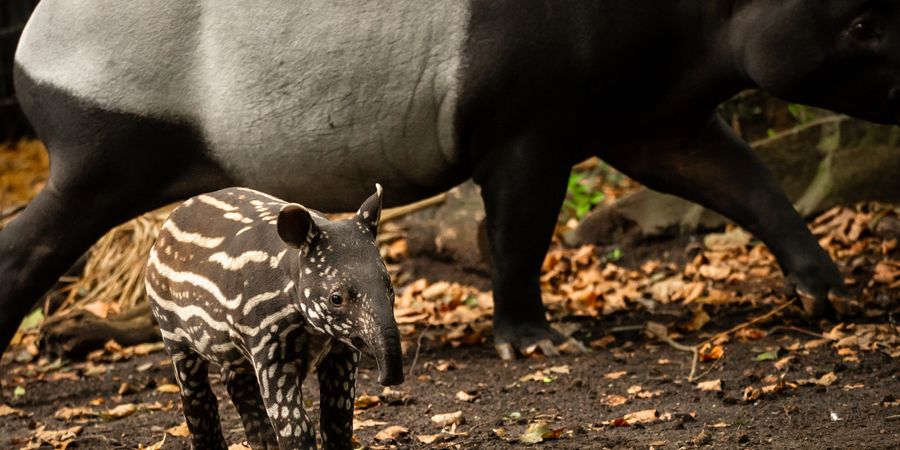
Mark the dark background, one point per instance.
(13, 15)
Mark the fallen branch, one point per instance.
(798, 330)
(412, 366)
(709, 369)
(400, 211)
(753, 321)
(659, 331)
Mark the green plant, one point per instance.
(580, 197)
(800, 113)
(614, 255)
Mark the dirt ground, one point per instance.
(784, 383)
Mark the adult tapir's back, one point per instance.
(284, 92)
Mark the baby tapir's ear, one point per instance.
(296, 227)
(370, 212)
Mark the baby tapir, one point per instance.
(268, 291)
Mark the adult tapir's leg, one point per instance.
(720, 171)
(106, 168)
(523, 189)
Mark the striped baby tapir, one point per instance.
(268, 291)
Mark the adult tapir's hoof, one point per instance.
(527, 339)
(826, 301)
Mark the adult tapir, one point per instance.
(145, 102)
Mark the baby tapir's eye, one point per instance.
(337, 299)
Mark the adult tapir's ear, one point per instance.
(370, 212)
(296, 227)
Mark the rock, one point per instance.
(454, 231)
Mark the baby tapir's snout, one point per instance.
(384, 340)
(346, 291)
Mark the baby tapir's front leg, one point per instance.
(337, 389)
(280, 365)
(244, 392)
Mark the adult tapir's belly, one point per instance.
(312, 100)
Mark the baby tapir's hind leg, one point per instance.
(201, 410)
(337, 389)
(247, 400)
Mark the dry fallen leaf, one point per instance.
(391, 433)
(716, 273)
(366, 401)
(603, 342)
(119, 412)
(647, 415)
(464, 396)
(729, 240)
(59, 439)
(67, 413)
(710, 386)
(360, 424)
(155, 446)
(614, 400)
(540, 431)
(783, 362)
(447, 419)
(809, 345)
(546, 375)
(615, 375)
(394, 397)
(428, 439)
(699, 318)
(443, 365)
(825, 380)
(168, 388)
(6, 410)
(750, 394)
(179, 430)
(649, 394)
(711, 352)
(750, 334)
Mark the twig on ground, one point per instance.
(626, 328)
(753, 321)
(798, 330)
(412, 366)
(660, 332)
(708, 369)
